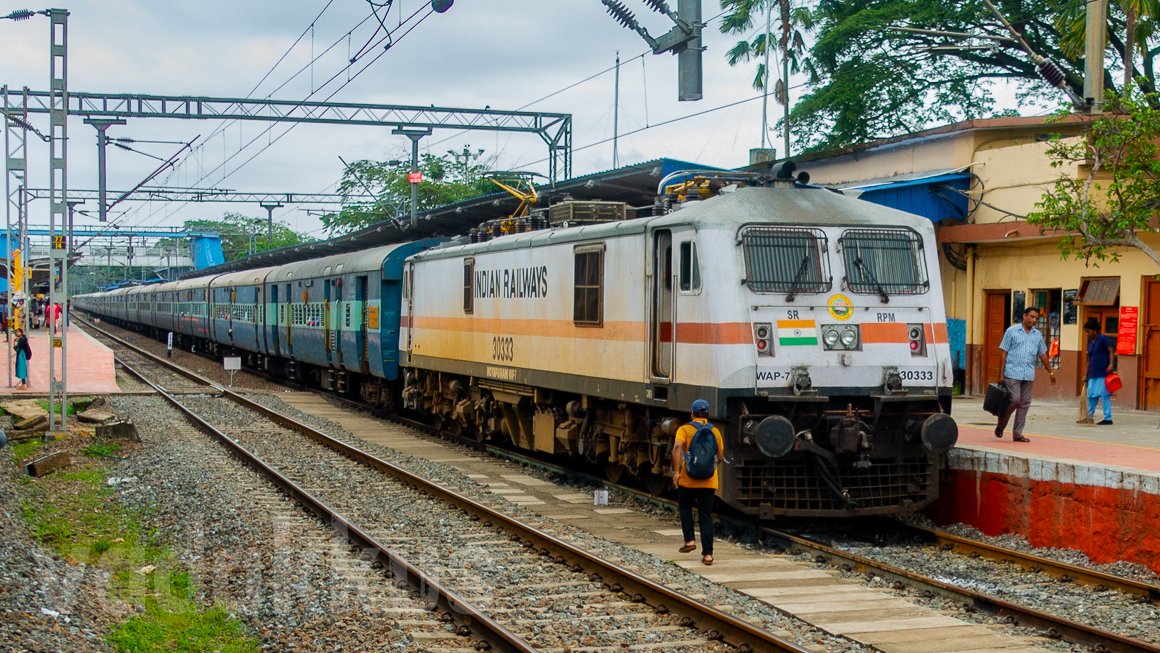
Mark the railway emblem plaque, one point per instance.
(840, 307)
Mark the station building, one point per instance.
(977, 180)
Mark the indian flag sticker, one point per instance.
(796, 332)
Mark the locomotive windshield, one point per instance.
(884, 262)
(785, 260)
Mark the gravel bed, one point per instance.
(545, 602)
(46, 604)
(656, 569)
(279, 570)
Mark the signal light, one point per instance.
(917, 335)
(441, 6)
(762, 339)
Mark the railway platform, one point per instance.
(90, 365)
(1077, 486)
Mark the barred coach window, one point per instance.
(588, 297)
(779, 260)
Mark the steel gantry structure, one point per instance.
(555, 129)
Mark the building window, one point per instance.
(588, 296)
(690, 269)
(1099, 292)
(1049, 301)
(469, 285)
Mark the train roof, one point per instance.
(788, 205)
(366, 260)
(253, 277)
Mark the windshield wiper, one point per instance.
(798, 278)
(858, 263)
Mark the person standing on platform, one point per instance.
(1022, 343)
(695, 476)
(56, 311)
(23, 355)
(1100, 357)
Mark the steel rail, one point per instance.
(1055, 568)
(715, 625)
(470, 618)
(1053, 625)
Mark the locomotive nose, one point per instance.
(939, 433)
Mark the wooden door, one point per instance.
(1149, 398)
(997, 308)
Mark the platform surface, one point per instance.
(90, 365)
(1132, 442)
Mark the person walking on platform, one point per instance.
(1100, 357)
(23, 355)
(697, 452)
(1022, 343)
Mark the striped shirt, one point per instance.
(1022, 348)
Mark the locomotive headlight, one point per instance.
(830, 337)
(850, 338)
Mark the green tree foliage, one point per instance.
(243, 235)
(874, 80)
(1108, 189)
(445, 181)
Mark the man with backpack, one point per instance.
(697, 452)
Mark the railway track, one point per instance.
(1050, 625)
(477, 564)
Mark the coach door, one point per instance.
(360, 313)
(662, 322)
(272, 322)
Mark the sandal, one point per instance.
(686, 548)
(707, 560)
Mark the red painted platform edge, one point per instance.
(1108, 524)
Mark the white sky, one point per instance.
(505, 54)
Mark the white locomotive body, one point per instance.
(812, 322)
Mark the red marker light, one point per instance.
(913, 345)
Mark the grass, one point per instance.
(102, 449)
(22, 451)
(78, 516)
(72, 407)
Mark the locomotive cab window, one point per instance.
(789, 261)
(690, 268)
(884, 262)
(588, 294)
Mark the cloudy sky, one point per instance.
(542, 55)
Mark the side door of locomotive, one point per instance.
(662, 309)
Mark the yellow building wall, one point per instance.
(1012, 170)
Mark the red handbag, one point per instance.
(1113, 382)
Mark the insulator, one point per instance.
(21, 14)
(659, 6)
(621, 14)
(1051, 72)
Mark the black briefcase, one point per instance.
(995, 401)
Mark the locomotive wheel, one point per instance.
(655, 484)
(612, 471)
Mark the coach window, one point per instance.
(690, 269)
(469, 285)
(588, 297)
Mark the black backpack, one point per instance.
(701, 458)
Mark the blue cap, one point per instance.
(700, 406)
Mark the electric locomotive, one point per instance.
(812, 322)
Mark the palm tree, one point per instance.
(791, 44)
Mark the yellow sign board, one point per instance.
(56, 343)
